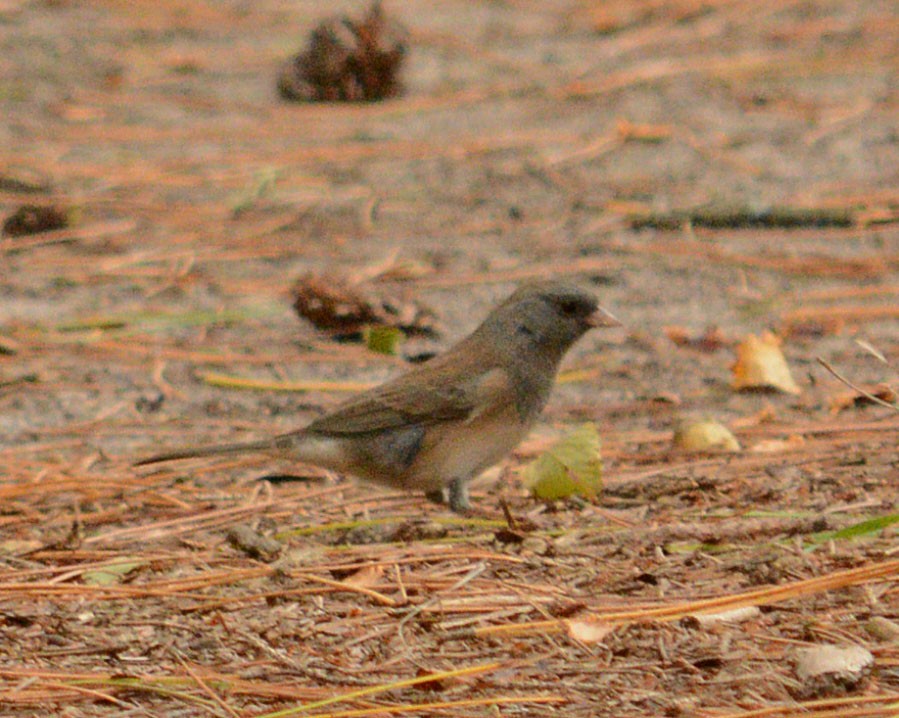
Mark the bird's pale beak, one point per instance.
(602, 318)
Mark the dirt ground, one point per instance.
(535, 138)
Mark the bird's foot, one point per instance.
(454, 495)
(458, 496)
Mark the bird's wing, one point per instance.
(428, 395)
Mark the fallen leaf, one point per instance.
(831, 670)
(112, 573)
(573, 465)
(384, 340)
(711, 340)
(365, 577)
(761, 365)
(853, 399)
(733, 615)
(704, 435)
(588, 631)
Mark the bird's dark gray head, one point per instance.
(530, 332)
(548, 317)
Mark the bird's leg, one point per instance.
(454, 495)
(458, 496)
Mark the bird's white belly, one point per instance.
(464, 450)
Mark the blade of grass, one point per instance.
(862, 528)
(383, 688)
(228, 381)
(167, 320)
(471, 702)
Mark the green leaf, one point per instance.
(111, 574)
(384, 340)
(573, 466)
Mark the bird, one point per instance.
(442, 423)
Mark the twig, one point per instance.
(205, 687)
(737, 217)
(416, 610)
(867, 395)
(507, 513)
(767, 595)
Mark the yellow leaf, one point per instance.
(573, 465)
(761, 365)
(704, 435)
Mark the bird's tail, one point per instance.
(198, 451)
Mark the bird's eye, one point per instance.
(569, 307)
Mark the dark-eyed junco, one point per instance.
(447, 420)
